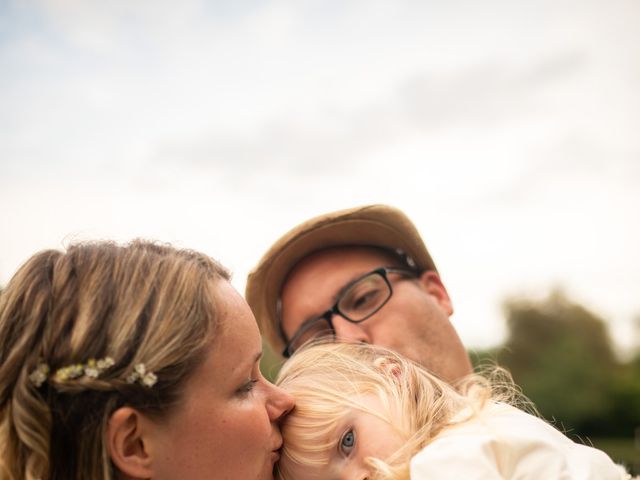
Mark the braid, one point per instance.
(74, 386)
(83, 333)
(24, 414)
(25, 430)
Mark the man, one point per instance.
(362, 274)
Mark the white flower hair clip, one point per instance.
(92, 369)
(39, 375)
(141, 376)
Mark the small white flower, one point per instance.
(76, 371)
(39, 375)
(105, 363)
(149, 380)
(142, 376)
(69, 372)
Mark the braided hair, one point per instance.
(136, 307)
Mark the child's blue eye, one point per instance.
(348, 441)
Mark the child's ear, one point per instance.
(126, 444)
(388, 366)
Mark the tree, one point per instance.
(561, 355)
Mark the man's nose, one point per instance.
(347, 331)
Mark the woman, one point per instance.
(130, 362)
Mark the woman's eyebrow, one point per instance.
(257, 356)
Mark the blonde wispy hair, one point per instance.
(329, 379)
(142, 307)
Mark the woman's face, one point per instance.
(226, 426)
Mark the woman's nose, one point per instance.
(280, 403)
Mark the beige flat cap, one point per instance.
(370, 225)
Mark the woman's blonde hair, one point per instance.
(138, 304)
(329, 379)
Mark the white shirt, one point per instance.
(503, 442)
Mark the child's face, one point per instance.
(359, 435)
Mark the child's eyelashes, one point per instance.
(347, 442)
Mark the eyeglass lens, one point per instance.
(359, 302)
(364, 297)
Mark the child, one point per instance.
(364, 412)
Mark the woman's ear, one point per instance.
(125, 439)
(431, 282)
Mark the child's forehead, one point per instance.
(360, 407)
(377, 404)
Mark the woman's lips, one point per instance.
(275, 456)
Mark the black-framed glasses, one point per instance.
(357, 301)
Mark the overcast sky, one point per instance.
(508, 131)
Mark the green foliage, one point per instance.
(625, 396)
(561, 355)
(270, 363)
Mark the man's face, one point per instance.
(414, 322)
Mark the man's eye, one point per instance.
(348, 442)
(363, 299)
(366, 299)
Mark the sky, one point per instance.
(507, 131)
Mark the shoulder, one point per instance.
(503, 442)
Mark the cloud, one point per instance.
(486, 93)
(335, 139)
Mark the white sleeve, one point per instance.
(506, 443)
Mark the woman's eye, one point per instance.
(248, 387)
(348, 441)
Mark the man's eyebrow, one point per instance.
(348, 285)
(355, 279)
(334, 298)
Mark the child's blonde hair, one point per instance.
(328, 379)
